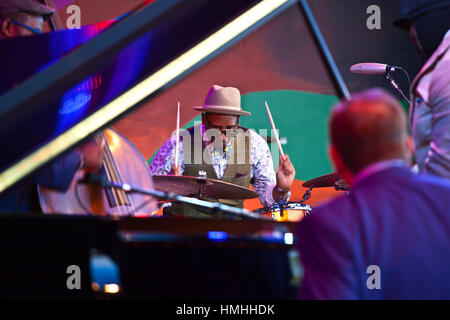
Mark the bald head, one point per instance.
(368, 128)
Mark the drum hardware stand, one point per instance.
(202, 175)
(307, 195)
(200, 189)
(340, 185)
(279, 204)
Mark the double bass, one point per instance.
(121, 162)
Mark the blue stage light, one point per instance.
(217, 235)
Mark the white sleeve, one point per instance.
(263, 173)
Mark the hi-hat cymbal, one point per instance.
(328, 180)
(201, 187)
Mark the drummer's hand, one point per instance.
(175, 170)
(285, 176)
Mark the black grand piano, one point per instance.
(63, 257)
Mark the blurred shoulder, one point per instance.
(429, 180)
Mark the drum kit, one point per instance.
(202, 187)
(190, 190)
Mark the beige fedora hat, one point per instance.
(223, 100)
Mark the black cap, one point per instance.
(412, 9)
(28, 6)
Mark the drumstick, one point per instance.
(177, 134)
(275, 132)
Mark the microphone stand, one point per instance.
(391, 80)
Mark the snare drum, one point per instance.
(291, 211)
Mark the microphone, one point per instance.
(371, 68)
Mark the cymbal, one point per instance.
(201, 187)
(328, 180)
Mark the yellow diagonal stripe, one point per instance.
(138, 92)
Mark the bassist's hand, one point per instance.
(92, 155)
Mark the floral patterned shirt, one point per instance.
(262, 171)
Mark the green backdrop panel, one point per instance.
(301, 118)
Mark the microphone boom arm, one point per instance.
(392, 82)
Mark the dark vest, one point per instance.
(238, 170)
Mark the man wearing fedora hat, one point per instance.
(227, 152)
(428, 22)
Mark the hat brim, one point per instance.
(222, 110)
(35, 8)
(403, 23)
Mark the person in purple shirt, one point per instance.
(389, 237)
